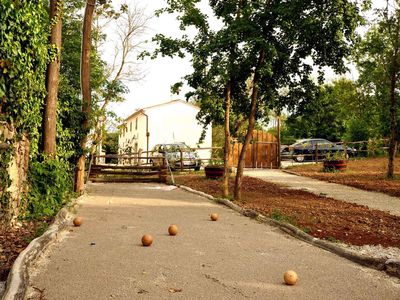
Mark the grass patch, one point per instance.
(277, 215)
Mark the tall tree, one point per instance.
(378, 60)
(52, 79)
(130, 22)
(86, 92)
(273, 42)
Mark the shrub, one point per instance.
(51, 187)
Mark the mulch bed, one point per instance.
(367, 174)
(319, 216)
(12, 242)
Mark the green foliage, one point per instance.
(343, 110)
(24, 54)
(286, 32)
(325, 114)
(110, 143)
(51, 186)
(23, 58)
(376, 57)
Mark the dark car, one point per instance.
(310, 149)
(178, 155)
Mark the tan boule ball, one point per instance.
(77, 221)
(147, 240)
(290, 277)
(173, 230)
(214, 217)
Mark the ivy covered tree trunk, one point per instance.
(86, 92)
(52, 80)
(393, 119)
(227, 147)
(250, 128)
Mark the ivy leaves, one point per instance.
(23, 59)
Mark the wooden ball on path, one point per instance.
(172, 230)
(290, 277)
(147, 240)
(214, 217)
(77, 221)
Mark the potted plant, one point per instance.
(336, 161)
(215, 169)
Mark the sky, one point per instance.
(161, 73)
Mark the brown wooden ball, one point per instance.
(214, 217)
(77, 221)
(147, 240)
(290, 277)
(173, 230)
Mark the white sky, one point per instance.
(161, 73)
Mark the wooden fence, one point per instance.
(263, 151)
(127, 168)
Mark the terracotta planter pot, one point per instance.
(335, 165)
(214, 172)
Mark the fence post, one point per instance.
(180, 150)
(139, 156)
(162, 169)
(92, 159)
(316, 153)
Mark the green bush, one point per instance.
(51, 187)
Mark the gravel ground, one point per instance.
(373, 251)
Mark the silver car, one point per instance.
(178, 155)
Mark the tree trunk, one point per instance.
(393, 123)
(227, 140)
(249, 133)
(86, 93)
(52, 80)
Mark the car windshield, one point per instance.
(302, 143)
(310, 142)
(174, 147)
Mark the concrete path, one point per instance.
(373, 200)
(233, 258)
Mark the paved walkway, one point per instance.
(233, 258)
(373, 200)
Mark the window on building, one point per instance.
(136, 123)
(130, 127)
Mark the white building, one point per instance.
(169, 122)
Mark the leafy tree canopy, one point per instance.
(293, 35)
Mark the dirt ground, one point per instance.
(12, 242)
(368, 174)
(319, 216)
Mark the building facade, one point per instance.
(169, 122)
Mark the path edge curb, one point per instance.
(390, 266)
(18, 277)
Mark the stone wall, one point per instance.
(17, 171)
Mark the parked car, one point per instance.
(310, 149)
(172, 152)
